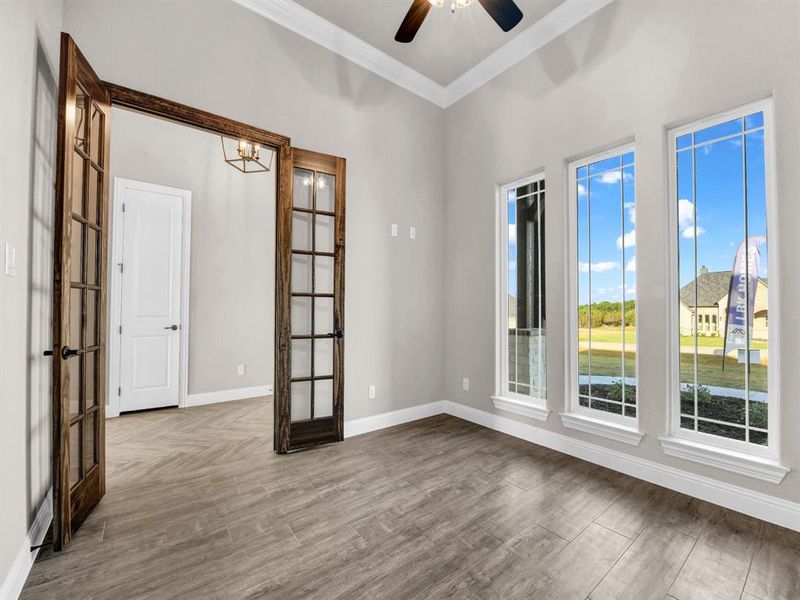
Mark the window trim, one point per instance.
(503, 399)
(605, 424)
(706, 444)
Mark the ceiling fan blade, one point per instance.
(412, 21)
(505, 13)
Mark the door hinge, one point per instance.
(119, 391)
(123, 207)
(121, 268)
(120, 329)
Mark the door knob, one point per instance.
(338, 334)
(48, 353)
(173, 327)
(67, 352)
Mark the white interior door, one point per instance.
(151, 295)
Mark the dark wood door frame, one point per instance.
(176, 112)
(293, 434)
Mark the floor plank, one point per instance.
(198, 506)
(719, 562)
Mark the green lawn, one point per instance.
(614, 335)
(710, 373)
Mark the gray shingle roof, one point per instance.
(712, 286)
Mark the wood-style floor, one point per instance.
(199, 507)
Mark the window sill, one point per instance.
(518, 407)
(765, 469)
(612, 431)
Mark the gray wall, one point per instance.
(631, 71)
(28, 97)
(392, 140)
(232, 271)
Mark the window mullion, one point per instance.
(696, 308)
(746, 290)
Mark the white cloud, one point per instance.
(631, 266)
(686, 220)
(685, 213)
(614, 177)
(512, 234)
(512, 265)
(598, 267)
(689, 232)
(629, 239)
(631, 208)
(581, 189)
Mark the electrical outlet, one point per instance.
(240, 370)
(372, 392)
(394, 229)
(465, 384)
(412, 233)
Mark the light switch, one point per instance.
(240, 370)
(412, 233)
(372, 392)
(394, 229)
(465, 384)
(11, 260)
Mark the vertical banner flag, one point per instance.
(742, 295)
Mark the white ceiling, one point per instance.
(452, 55)
(446, 46)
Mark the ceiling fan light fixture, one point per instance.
(437, 3)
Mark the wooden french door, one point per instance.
(79, 293)
(309, 330)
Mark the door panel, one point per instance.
(309, 376)
(152, 256)
(79, 318)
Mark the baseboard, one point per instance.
(14, 580)
(228, 395)
(762, 506)
(390, 419)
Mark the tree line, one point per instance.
(607, 314)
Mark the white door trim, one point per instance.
(115, 308)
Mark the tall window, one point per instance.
(605, 205)
(720, 192)
(522, 323)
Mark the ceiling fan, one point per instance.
(505, 13)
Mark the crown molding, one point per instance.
(310, 25)
(553, 24)
(300, 20)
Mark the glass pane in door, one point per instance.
(323, 316)
(89, 429)
(75, 453)
(323, 357)
(312, 280)
(301, 400)
(323, 398)
(323, 233)
(323, 274)
(326, 192)
(301, 315)
(302, 188)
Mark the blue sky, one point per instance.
(719, 226)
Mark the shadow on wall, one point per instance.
(362, 87)
(40, 280)
(568, 55)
